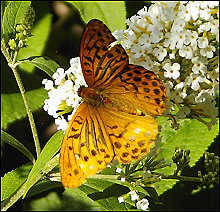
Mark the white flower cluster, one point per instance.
(179, 41)
(142, 204)
(62, 92)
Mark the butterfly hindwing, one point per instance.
(86, 148)
(130, 135)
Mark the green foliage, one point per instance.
(107, 13)
(51, 148)
(49, 203)
(192, 135)
(102, 191)
(13, 180)
(13, 15)
(37, 42)
(105, 193)
(44, 63)
(5, 137)
(75, 199)
(12, 105)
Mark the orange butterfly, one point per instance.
(108, 123)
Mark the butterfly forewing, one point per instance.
(100, 62)
(140, 89)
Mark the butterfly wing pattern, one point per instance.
(115, 120)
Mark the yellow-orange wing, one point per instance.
(137, 88)
(86, 148)
(97, 135)
(131, 135)
(99, 62)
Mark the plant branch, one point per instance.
(13, 65)
(28, 109)
(184, 178)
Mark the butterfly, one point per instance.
(115, 119)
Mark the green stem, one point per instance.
(28, 109)
(127, 171)
(134, 166)
(13, 65)
(182, 178)
(104, 177)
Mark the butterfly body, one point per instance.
(94, 97)
(115, 119)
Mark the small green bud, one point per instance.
(18, 28)
(19, 36)
(205, 177)
(25, 33)
(210, 174)
(21, 44)
(12, 44)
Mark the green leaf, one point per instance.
(192, 135)
(12, 105)
(40, 31)
(78, 200)
(50, 149)
(49, 202)
(44, 63)
(113, 14)
(42, 186)
(13, 180)
(13, 15)
(5, 137)
(148, 191)
(105, 193)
